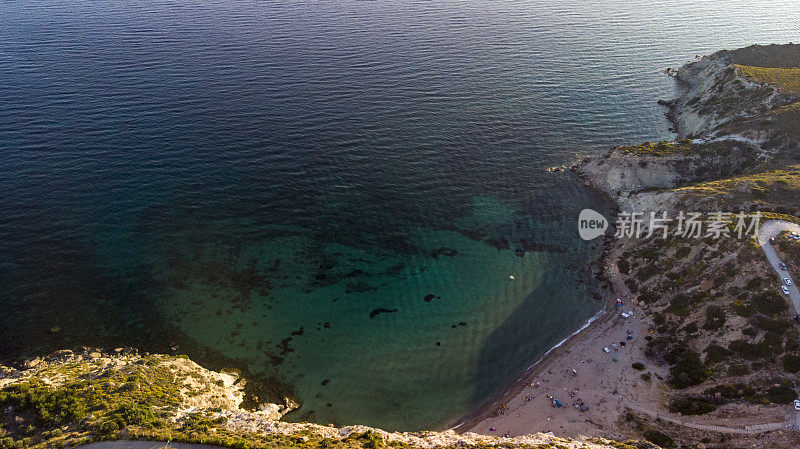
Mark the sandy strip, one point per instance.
(604, 381)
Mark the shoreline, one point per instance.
(469, 421)
(602, 284)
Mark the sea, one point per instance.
(348, 201)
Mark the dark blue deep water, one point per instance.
(332, 196)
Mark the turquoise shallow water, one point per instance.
(331, 196)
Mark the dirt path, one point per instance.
(746, 430)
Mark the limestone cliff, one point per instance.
(71, 398)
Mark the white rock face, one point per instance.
(620, 174)
(712, 93)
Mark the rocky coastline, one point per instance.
(729, 127)
(736, 150)
(70, 398)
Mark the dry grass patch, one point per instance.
(785, 79)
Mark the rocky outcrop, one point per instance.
(729, 125)
(712, 94)
(640, 177)
(198, 388)
(189, 403)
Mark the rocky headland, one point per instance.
(713, 340)
(70, 398)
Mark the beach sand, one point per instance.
(605, 382)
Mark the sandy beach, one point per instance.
(580, 372)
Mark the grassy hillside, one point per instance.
(778, 190)
(786, 55)
(787, 119)
(680, 148)
(785, 79)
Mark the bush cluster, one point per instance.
(687, 369)
(51, 407)
(692, 406)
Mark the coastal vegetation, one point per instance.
(685, 147)
(777, 189)
(787, 119)
(721, 327)
(69, 399)
(775, 55)
(785, 79)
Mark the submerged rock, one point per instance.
(377, 312)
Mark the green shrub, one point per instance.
(660, 439)
(735, 391)
(687, 369)
(692, 406)
(623, 265)
(715, 318)
(716, 353)
(781, 395)
(638, 366)
(648, 296)
(647, 272)
(680, 305)
(743, 307)
(199, 423)
(739, 370)
(754, 284)
(108, 428)
(773, 343)
(240, 444)
(792, 343)
(791, 363)
(770, 324)
(745, 350)
(52, 407)
(770, 303)
(131, 413)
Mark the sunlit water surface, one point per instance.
(333, 196)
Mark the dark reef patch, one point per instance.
(500, 243)
(377, 312)
(530, 245)
(284, 346)
(396, 269)
(444, 251)
(358, 287)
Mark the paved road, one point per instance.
(771, 229)
(768, 230)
